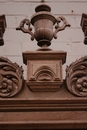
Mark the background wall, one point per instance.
(69, 40)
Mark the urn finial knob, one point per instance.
(42, 1)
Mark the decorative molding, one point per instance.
(43, 110)
(84, 26)
(44, 54)
(76, 77)
(11, 78)
(2, 28)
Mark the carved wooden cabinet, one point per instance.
(22, 108)
(44, 101)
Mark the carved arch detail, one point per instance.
(76, 77)
(11, 78)
(44, 73)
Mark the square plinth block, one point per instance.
(44, 69)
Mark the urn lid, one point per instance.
(42, 7)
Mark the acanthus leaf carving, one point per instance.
(76, 77)
(11, 78)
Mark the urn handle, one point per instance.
(60, 28)
(23, 29)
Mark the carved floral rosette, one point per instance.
(76, 77)
(11, 78)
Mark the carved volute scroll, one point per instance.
(76, 77)
(11, 78)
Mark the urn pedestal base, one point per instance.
(44, 69)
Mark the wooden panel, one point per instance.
(43, 120)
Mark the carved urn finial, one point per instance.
(43, 21)
(42, 1)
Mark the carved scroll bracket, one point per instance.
(11, 78)
(76, 77)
